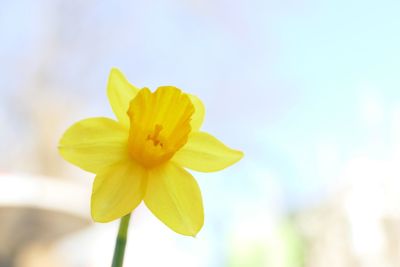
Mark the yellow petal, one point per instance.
(174, 197)
(117, 191)
(205, 153)
(120, 92)
(199, 112)
(94, 143)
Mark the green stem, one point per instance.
(120, 243)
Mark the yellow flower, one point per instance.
(142, 155)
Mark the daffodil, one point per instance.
(143, 154)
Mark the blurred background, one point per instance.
(308, 89)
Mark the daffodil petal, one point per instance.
(94, 143)
(174, 197)
(205, 153)
(117, 191)
(199, 112)
(120, 92)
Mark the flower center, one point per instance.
(159, 124)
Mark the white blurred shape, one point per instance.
(18, 190)
(365, 206)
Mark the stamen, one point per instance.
(155, 136)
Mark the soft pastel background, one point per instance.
(308, 89)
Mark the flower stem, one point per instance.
(120, 243)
